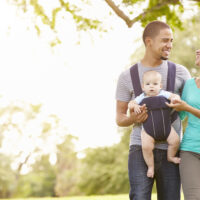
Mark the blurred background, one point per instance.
(59, 65)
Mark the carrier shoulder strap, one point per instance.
(135, 80)
(171, 76)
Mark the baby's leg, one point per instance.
(173, 142)
(147, 150)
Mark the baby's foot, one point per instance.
(150, 172)
(175, 160)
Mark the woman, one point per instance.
(190, 144)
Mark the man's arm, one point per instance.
(121, 114)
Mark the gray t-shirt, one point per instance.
(125, 93)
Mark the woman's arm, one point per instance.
(180, 105)
(193, 110)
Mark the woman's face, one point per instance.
(197, 62)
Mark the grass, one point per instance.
(95, 197)
(102, 197)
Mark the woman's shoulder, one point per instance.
(189, 84)
(190, 81)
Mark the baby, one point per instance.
(158, 121)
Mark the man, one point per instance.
(158, 38)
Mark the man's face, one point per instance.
(152, 85)
(162, 43)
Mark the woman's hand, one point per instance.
(178, 105)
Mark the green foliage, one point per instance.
(7, 177)
(130, 11)
(36, 108)
(67, 173)
(104, 169)
(169, 10)
(46, 179)
(158, 9)
(55, 42)
(185, 44)
(39, 182)
(26, 122)
(93, 197)
(132, 2)
(83, 23)
(40, 10)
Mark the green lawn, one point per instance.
(98, 197)
(103, 197)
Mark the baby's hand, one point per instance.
(133, 106)
(174, 98)
(137, 109)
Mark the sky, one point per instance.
(75, 82)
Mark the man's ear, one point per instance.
(148, 41)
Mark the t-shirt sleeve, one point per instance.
(182, 75)
(139, 98)
(164, 93)
(123, 91)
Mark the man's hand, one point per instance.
(140, 117)
(122, 119)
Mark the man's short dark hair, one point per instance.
(153, 28)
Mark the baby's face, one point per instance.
(152, 85)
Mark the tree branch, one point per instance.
(21, 165)
(119, 12)
(129, 21)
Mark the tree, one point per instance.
(186, 43)
(27, 134)
(40, 182)
(105, 169)
(152, 10)
(7, 177)
(45, 178)
(130, 11)
(67, 165)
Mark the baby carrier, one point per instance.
(160, 116)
